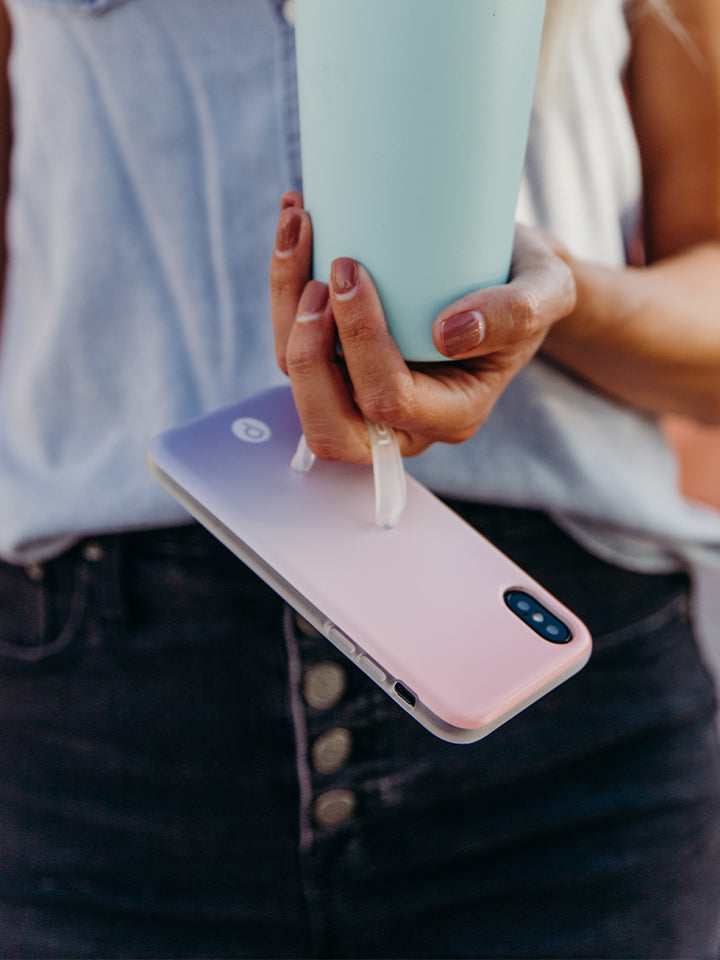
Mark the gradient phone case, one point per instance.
(431, 611)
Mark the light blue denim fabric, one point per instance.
(153, 140)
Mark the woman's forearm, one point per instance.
(648, 336)
(651, 336)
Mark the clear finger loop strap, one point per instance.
(388, 472)
(304, 458)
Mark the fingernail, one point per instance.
(461, 333)
(291, 198)
(345, 277)
(312, 302)
(288, 232)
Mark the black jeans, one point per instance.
(185, 771)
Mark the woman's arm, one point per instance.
(648, 336)
(651, 336)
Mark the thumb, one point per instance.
(540, 292)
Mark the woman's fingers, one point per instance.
(439, 401)
(291, 198)
(335, 391)
(333, 426)
(381, 380)
(492, 334)
(289, 269)
(541, 291)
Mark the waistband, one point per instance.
(605, 596)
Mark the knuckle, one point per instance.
(301, 363)
(462, 431)
(390, 405)
(525, 312)
(332, 447)
(568, 287)
(282, 281)
(324, 446)
(357, 328)
(463, 434)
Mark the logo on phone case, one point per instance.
(250, 430)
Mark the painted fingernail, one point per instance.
(291, 198)
(312, 302)
(461, 333)
(288, 232)
(345, 277)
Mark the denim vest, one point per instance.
(152, 141)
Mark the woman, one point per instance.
(569, 432)
(185, 769)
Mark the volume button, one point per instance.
(371, 669)
(343, 643)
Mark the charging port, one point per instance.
(405, 694)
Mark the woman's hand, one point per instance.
(490, 334)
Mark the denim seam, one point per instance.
(678, 606)
(64, 638)
(316, 925)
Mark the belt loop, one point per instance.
(104, 560)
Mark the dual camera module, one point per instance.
(537, 617)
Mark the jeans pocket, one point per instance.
(650, 633)
(42, 613)
(89, 8)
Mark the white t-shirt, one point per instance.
(152, 143)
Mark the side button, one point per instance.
(342, 642)
(371, 669)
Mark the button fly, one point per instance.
(331, 750)
(93, 552)
(307, 629)
(324, 684)
(335, 807)
(35, 571)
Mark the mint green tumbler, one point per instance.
(414, 119)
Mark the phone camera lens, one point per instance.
(537, 617)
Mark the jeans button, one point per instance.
(35, 572)
(93, 552)
(307, 629)
(331, 750)
(335, 807)
(324, 684)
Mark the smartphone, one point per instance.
(449, 627)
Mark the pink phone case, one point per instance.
(444, 622)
